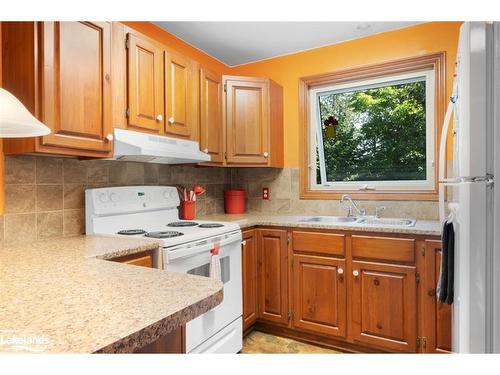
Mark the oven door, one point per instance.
(195, 259)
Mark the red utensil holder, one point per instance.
(188, 210)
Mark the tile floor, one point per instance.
(262, 343)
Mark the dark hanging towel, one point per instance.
(444, 289)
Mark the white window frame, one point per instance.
(316, 135)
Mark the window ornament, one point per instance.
(331, 124)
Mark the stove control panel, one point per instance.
(130, 199)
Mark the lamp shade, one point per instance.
(15, 119)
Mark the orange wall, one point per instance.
(160, 35)
(286, 70)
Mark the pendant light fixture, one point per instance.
(15, 119)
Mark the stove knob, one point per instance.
(114, 197)
(103, 197)
(173, 194)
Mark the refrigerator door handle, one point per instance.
(488, 179)
(442, 152)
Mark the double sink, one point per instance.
(366, 220)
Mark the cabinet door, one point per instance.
(319, 288)
(249, 276)
(384, 309)
(437, 316)
(172, 343)
(76, 99)
(247, 121)
(211, 130)
(178, 95)
(273, 275)
(143, 259)
(145, 84)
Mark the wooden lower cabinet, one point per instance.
(319, 294)
(365, 291)
(249, 277)
(272, 281)
(171, 343)
(384, 305)
(436, 332)
(142, 259)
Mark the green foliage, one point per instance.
(381, 134)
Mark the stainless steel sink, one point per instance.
(383, 221)
(329, 219)
(358, 220)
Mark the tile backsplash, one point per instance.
(284, 198)
(44, 196)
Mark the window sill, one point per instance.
(382, 195)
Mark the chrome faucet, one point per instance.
(360, 211)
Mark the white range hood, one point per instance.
(141, 147)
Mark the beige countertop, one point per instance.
(58, 296)
(421, 227)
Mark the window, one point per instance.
(375, 134)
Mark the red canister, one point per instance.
(234, 201)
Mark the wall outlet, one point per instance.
(265, 193)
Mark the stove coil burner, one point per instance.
(132, 232)
(211, 225)
(164, 234)
(178, 224)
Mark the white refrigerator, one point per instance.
(471, 199)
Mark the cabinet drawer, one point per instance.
(395, 249)
(318, 243)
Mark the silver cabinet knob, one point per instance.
(159, 118)
(171, 120)
(266, 154)
(205, 151)
(110, 137)
(243, 243)
(340, 271)
(355, 273)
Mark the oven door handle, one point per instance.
(186, 252)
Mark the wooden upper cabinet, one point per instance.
(253, 121)
(180, 95)
(61, 71)
(436, 328)
(384, 305)
(76, 89)
(273, 275)
(319, 288)
(145, 84)
(211, 130)
(249, 277)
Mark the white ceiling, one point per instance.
(236, 43)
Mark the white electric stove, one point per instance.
(152, 212)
